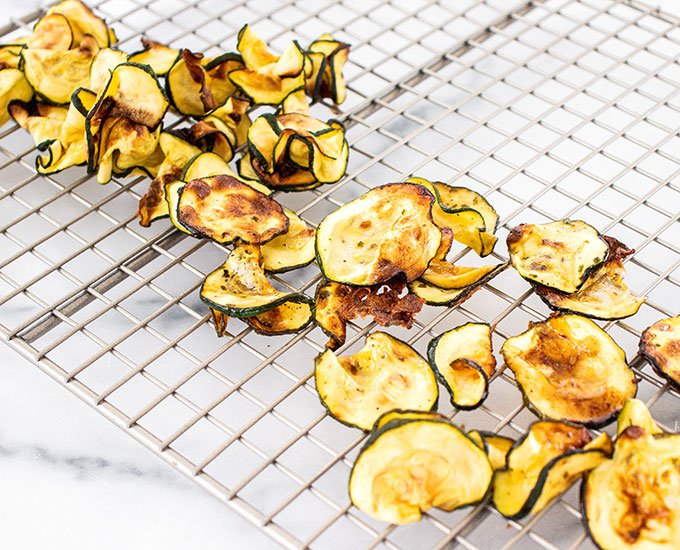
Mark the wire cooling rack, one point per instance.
(554, 109)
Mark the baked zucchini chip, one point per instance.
(636, 413)
(604, 295)
(287, 318)
(386, 374)
(223, 208)
(328, 56)
(660, 345)
(292, 249)
(445, 275)
(631, 501)
(172, 195)
(13, 87)
(463, 361)
(385, 232)
(239, 288)
(83, 21)
(103, 64)
(42, 121)
(544, 464)
(159, 57)
(412, 463)
(496, 446)
(569, 369)
(559, 255)
(295, 102)
(10, 56)
(52, 32)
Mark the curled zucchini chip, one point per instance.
(159, 57)
(239, 288)
(103, 64)
(83, 21)
(10, 56)
(463, 361)
(636, 413)
(55, 75)
(13, 87)
(559, 255)
(447, 276)
(231, 118)
(52, 32)
(412, 463)
(224, 209)
(386, 374)
(385, 232)
(172, 194)
(43, 121)
(544, 464)
(660, 345)
(496, 446)
(292, 249)
(295, 102)
(328, 56)
(631, 501)
(570, 369)
(437, 296)
(604, 295)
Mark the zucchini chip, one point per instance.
(103, 64)
(385, 232)
(10, 56)
(631, 502)
(604, 295)
(559, 255)
(660, 345)
(328, 56)
(295, 102)
(55, 75)
(292, 249)
(437, 296)
(386, 374)
(52, 32)
(287, 318)
(544, 464)
(240, 289)
(496, 446)
(447, 276)
(159, 57)
(463, 361)
(42, 121)
(13, 87)
(223, 208)
(412, 463)
(569, 369)
(82, 22)
(636, 413)
(231, 118)
(172, 194)
(220, 321)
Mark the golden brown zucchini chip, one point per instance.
(287, 318)
(42, 121)
(328, 57)
(82, 22)
(172, 193)
(559, 255)
(496, 446)
(295, 102)
(10, 56)
(660, 345)
(13, 87)
(631, 501)
(224, 209)
(604, 295)
(412, 463)
(385, 232)
(570, 369)
(103, 64)
(447, 276)
(463, 361)
(239, 288)
(52, 32)
(386, 374)
(544, 464)
(159, 57)
(636, 413)
(292, 249)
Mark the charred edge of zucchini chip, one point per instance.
(287, 318)
(158, 56)
(660, 346)
(220, 321)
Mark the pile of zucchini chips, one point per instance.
(382, 255)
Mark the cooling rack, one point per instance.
(561, 108)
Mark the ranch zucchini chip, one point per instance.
(559, 255)
(412, 463)
(386, 374)
(496, 446)
(292, 249)
(604, 295)
(544, 464)
(159, 57)
(328, 56)
(463, 361)
(570, 369)
(82, 22)
(660, 345)
(239, 288)
(385, 232)
(224, 209)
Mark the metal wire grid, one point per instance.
(554, 109)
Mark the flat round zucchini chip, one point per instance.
(292, 249)
(604, 295)
(569, 369)
(409, 465)
(544, 464)
(286, 318)
(559, 255)
(386, 374)
(239, 288)
(224, 209)
(387, 231)
(496, 446)
(660, 345)
(632, 502)
(463, 360)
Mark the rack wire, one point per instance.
(551, 109)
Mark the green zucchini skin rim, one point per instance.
(652, 361)
(240, 313)
(322, 283)
(143, 50)
(434, 407)
(431, 350)
(316, 239)
(537, 489)
(330, 62)
(312, 311)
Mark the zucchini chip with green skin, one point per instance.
(208, 164)
(231, 118)
(13, 87)
(405, 414)
(83, 22)
(412, 464)
(386, 374)
(636, 413)
(604, 295)
(52, 32)
(329, 300)
(544, 464)
(10, 57)
(660, 345)
(326, 79)
(43, 122)
(463, 361)
(292, 249)
(295, 102)
(447, 276)
(287, 318)
(239, 288)
(560, 255)
(223, 208)
(570, 369)
(103, 64)
(496, 446)
(631, 501)
(387, 231)
(159, 57)
(172, 194)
